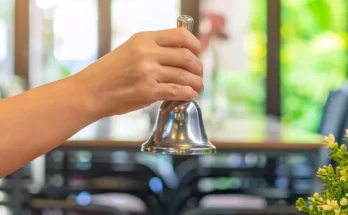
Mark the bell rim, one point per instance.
(178, 151)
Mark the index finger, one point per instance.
(179, 38)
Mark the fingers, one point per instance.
(181, 77)
(180, 58)
(175, 92)
(179, 38)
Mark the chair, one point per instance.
(191, 186)
(334, 120)
(334, 113)
(105, 178)
(343, 130)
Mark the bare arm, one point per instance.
(151, 66)
(39, 120)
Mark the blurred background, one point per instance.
(275, 81)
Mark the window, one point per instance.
(132, 16)
(6, 37)
(313, 57)
(63, 38)
(235, 67)
(128, 18)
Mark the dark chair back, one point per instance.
(334, 120)
(334, 113)
(101, 175)
(343, 130)
(196, 174)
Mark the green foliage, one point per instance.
(334, 199)
(313, 57)
(248, 88)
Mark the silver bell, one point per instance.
(179, 129)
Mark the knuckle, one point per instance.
(144, 53)
(139, 52)
(138, 35)
(182, 75)
(144, 65)
(187, 55)
(143, 69)
(173, 90)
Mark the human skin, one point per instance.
(149, 67)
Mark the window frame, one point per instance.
(192, 7)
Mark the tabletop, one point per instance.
(252, 133)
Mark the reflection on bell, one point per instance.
(179, 129)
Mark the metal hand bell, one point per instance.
(179, 128)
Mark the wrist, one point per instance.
(86, 99)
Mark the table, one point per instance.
(259, 133)
(264, 134)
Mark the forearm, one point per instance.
(39, 120)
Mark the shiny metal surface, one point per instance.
(186, 22)
(179, 128)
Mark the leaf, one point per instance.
(330, 170)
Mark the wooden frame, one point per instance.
(21, 42)
(191, 7)
(273, 87)
(104, 27)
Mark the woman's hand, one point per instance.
(149, 67)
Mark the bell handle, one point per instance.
(185, 21)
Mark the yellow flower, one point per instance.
(346, 132)
(322, 171)
(334, 204)
(327, 208)
(331, 144)
(343, 201)
(331, 205)
(316, 195)
(344, 175)
(332, 137)
(330, 141)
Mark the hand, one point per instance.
(149, 67)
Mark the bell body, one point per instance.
(179, 129)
